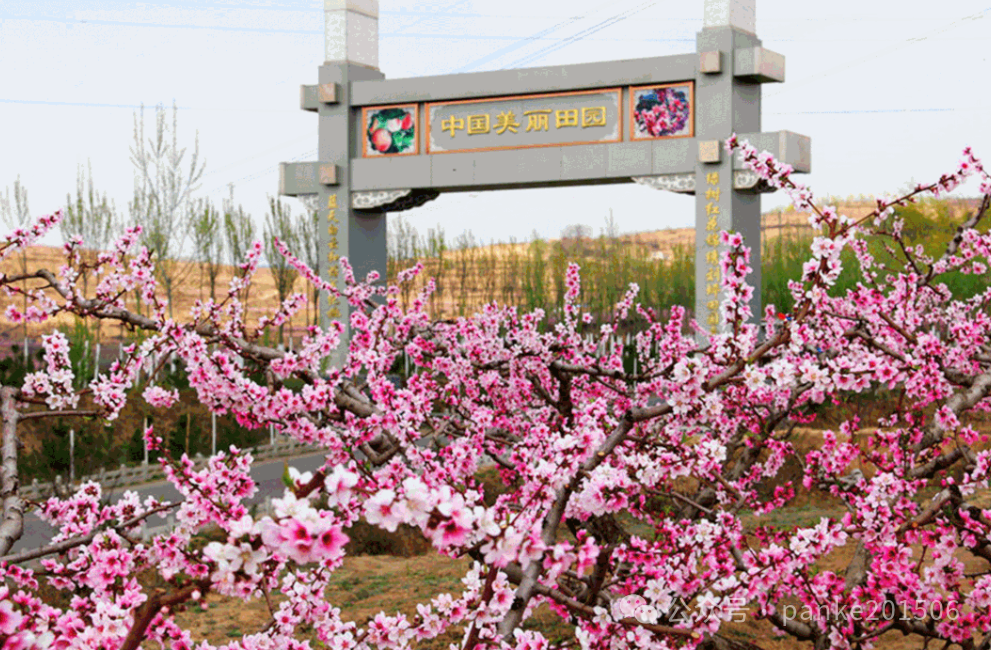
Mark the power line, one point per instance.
(518, 44)
(583, 34)
(520, 41)
(259, 154)
(317, 32)
(557, 44)
(315, 7)
(182, 108)
(252, 176)
(247, 5)
(625, 14)
(901, 45)
(457, 3)
(526, 39)
(861, 111)
(123, 23)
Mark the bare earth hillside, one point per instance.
(464, 289)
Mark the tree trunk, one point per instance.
(13, 506)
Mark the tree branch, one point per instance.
(954, 244)
(79, 540)
(35, 415)
(144, 615)
(13, 506)
(958, 403)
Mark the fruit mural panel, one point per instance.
(390, 130)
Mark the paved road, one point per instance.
(267, 475)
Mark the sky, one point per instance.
(889, 92)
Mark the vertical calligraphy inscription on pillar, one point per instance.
(711, 251)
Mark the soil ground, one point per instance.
(191, 283)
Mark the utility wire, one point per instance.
(520, 41)
(523, 42)
(259, 154)
(863, 111)
(612, 20)
(542, 35)
(252, 176)
(625, 14)
(181, 108)
(874, 55)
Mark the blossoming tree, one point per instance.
(638, 508)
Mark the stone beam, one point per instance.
(557, 166)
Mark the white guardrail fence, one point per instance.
(147, 473)
(164, 523)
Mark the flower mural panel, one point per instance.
(662, 111)
(390, 130)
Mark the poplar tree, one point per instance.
(208, 242)
(90, 216)
(239, 234)
(16, 214)
(308, 236)
(279, 223)
(163, 194)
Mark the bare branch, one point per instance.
(36, 415)
(79, 540)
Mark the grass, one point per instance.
(531, 274)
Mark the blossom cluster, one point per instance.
(24, 237)
(55, 382)
(617, 487)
